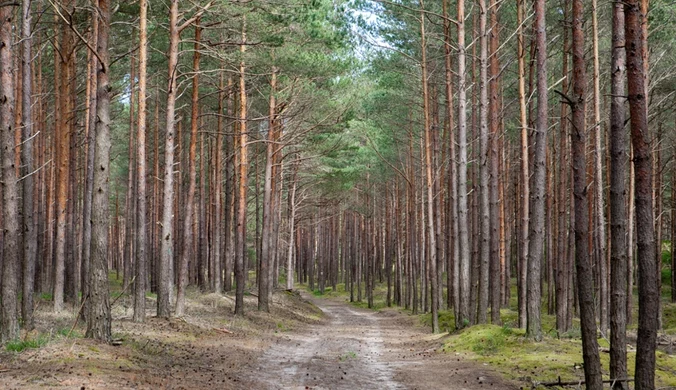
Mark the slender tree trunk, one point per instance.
(157, 201)
(618, 200)
(130, 201)
(89, 167)
(430, 180)
(657, 212)
(230, 191)
(493, 165)
(645, 228)
(453, 254)
(166, 268)
(188, 236)
(630, 234)
(62, 141)
(266, 260)
(535, 250)
(590, 350)
(292, 223)
(141, 230)
(203, 226)
(598, 188)
(216, 278)
(11, 271)
(525, 176)
(462, 316)
(673, 230)
(99, 317)
(28, 227)
(240, 241)
(484, 207)
(563, 265)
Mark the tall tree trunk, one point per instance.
(598, 188)
(590, 350)
(453, 254)
(292, 223)
(277, 216)
(645, 229)
(99, 317)
(673, 228)
(484, 207)
(216, 278)
(537, 206)
(188, 236)
(631, 233)
(130, 201)
(166, 267)
(462, 316)
(525, 176)
(11, 271)
(657, 212)
(29, 232)
(264, 282)
(240, 241)
(563, 265)
(618, 199)
(157, 201)
(141, 230)
(62, 141)
(493, 157)
(230, 191)
(430, 179)
(89, 167)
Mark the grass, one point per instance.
(347, 356)
(31, 343)
(379, 295)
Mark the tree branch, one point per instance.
(69, 23)
(565, 97)
(194, 17)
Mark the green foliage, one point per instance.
(446, 320)
(66, 332)
(31, 343)
(46, 296)
(347, 356)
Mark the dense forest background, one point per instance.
(462, 156)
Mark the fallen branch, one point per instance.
(77, 317)
(223, 330)
(123, 291)
(578, 383)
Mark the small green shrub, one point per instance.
(489, 345)
(20, 345)
(349, 355)
(46, 296)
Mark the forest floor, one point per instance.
(304, 343)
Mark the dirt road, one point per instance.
(347, 348)
(363, 349)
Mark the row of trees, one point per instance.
(545, 189)
(433, 158)
(72, 146)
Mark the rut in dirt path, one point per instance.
(363, 349)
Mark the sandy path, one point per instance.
(363, 349)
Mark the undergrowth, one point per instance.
(31, 343)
